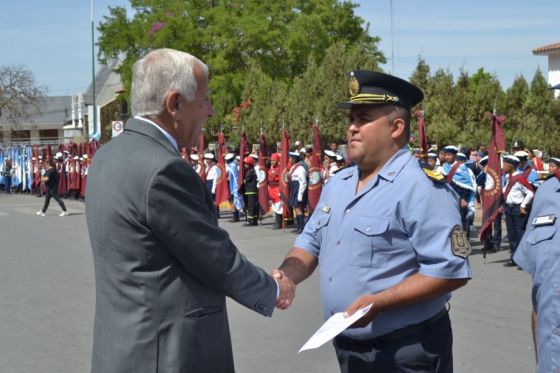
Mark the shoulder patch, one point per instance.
(434, 175)
(460, 245)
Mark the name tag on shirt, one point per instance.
(544, 220)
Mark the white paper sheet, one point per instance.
(333, 327)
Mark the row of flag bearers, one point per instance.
(286, 184)
(27, 164)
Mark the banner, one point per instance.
(422, 134)
(202, 171)
(262, 176)
(315, 183)
(222, 190)
(284, 176)
(491, 194)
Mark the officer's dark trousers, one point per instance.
(515, 223)
(428, 350)
(52, 192)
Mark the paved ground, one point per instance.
(47, 302)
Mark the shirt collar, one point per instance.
(165, 133)
(390, 170)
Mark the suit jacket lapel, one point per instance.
(146, 129)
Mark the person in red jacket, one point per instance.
(274, 189)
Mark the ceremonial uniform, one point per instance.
(373, 240)
(461, 180)
(235, 199)
(539, 254)
(298, 191)
(516, 196)
(377, 243)
(251, 192)
(273, 182)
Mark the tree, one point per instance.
(19, 96)
(281, 38)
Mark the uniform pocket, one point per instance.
(541, 234)
(368, 235)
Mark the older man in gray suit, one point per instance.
(163, 267)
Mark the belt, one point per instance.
(350, 343)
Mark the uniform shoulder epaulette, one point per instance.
(434, 175)
(343, 168)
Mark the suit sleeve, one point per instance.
(180, 216)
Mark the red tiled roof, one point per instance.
(547, 49)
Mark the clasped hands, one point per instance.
(287, 289)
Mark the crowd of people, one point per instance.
(164, 267)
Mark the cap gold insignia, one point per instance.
(354, 86)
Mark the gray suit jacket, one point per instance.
(162, 265)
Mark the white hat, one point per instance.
(194, 157)
(33, 158)
(537, 153)
(330, 153)
(66, 152)
(511, 159)
(76, 157)
(339, 157)
(40, 157)
(303, 151)
(461, 155)
(297, 143)
(58, 155)
(254, 156)
(237, 157)
(521, 154)
(451, 149)
(294, 154)
(81, 158)
(432, 155)
(85, 156)
(208, 156)
(228, 156)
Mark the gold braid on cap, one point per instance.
(364, 98)
(354, 86)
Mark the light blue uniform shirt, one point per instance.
(539, 254)
(399, 224)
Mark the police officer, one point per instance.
(539, 254)
(377, 243)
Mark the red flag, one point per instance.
(422, 133)
(284, 175)
(315, 185)
(492, 192)
(262, 176)
(202, 171)
(243, 150)
(222, 190)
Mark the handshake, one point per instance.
(287, 289)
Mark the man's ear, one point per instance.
(399, 127)
(172, 102)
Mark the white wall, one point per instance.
(554, 71)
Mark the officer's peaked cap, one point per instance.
(370, 87)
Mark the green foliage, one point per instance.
(456, 111)
(277, 40)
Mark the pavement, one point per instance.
(47, 302)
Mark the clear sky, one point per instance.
(53, 38)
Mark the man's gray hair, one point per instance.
(157, 74)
